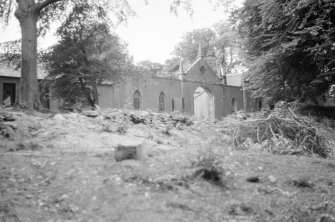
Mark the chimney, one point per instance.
(200, 53)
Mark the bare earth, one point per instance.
(61, 167)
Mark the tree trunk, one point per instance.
(87, 93)
(29, 90)
(95, 93)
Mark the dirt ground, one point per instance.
(61, 167)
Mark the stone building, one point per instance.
(198, 91)
(10, 82)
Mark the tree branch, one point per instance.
(44, 4)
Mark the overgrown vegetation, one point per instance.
(282, 132)
(210, 167)
(289, 46)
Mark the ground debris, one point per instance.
(66, 170)
(6, 116)
(254, 179)
(91, 113)
(303, 183)
(149, 118)
(128, 150)
(281, 131)
(240, 209)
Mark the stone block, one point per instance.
(90, 113)
(129, 150)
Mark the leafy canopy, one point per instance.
(86, 55)
(55, 11)
(290, 47)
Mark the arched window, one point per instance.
(161, 102)
(172, 105)
(183, 105)
(233, 105)
(137, 99)
(260, 105)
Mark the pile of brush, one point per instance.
(281, 131)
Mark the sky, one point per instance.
(153, 33)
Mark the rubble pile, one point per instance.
(7, 126)
(278, 131)
(149, 118)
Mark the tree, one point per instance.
(227, 47)
(150, 68)
(171, 66)
(220, 47)
(290, 47)
(189, 46)
(86, 55)
(35, 17)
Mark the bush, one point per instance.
(209, 166)
(282, 132)
(316, 111)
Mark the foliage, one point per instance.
(282, 132)
(43, 13)
(290, 47)
(228, 51)
(35, 18)
(189, 46)
(59, 10)
(220, 47)
(11, 53)
(150, 68)
(210, 167)
(171, 66)
(87, 55)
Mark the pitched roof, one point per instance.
(11, 72)
(201, 71)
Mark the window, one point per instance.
(183, 105)
(137, 100)
(202, 69)
(172, 105)
(233, 105)
(161, 102)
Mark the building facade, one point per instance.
(198, 91)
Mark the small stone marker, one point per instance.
(129, 150)
(90, 113)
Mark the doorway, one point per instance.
(9, 90)
(204, 107)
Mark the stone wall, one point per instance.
(121, 95)
(181, 93)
